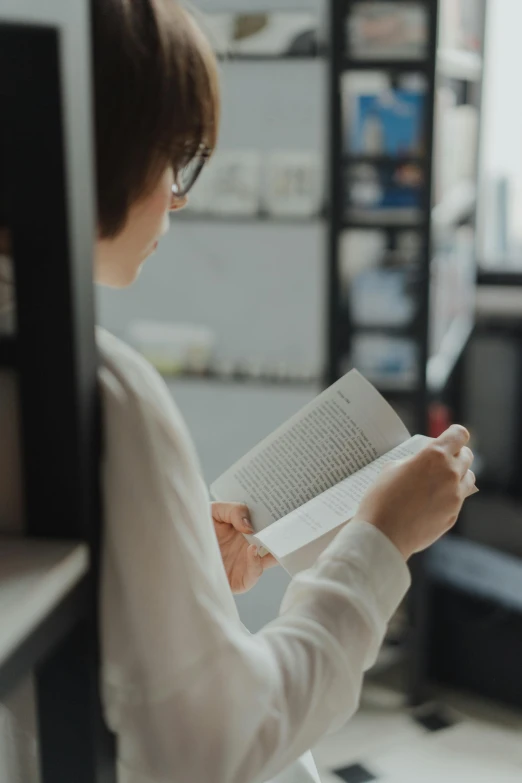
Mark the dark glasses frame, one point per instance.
(202, 155)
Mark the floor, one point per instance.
(456, 739)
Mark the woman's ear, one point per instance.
(178, 203)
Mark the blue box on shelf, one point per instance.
(388, 123)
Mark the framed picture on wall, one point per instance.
(293, 183)
(290, 33)
(263, 34)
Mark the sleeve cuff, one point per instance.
(381, 567)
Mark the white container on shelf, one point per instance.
(380, 297)
(456, 149)
(359, 251)
(292, 183)
(272, 33)
(388, 362)
(229, 185)
(172, 347)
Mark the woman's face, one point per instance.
(118, 260)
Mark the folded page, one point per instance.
(299, 538)
(345, 428)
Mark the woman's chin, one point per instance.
(123, 279)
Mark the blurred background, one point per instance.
(364, 209)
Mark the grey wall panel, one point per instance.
(259, 288)
(492, 401)
(225, 422)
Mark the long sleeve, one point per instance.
(190, 693)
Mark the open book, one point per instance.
(306, 480)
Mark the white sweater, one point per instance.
(191, 694)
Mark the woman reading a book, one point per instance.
(190, 694)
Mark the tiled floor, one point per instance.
(455, 740)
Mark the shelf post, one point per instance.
(49, 159)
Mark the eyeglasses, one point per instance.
(188, 174)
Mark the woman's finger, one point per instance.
(464, 460)
(268, 561)
(235, 514)
(468, 484)
(453, 439)
(254, 565)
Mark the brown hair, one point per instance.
(156, 99)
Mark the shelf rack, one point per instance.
(457, 208)
(269, 58)
(189, 216)
(437, 374)
(341, 329)
(397, 66)
(500, 277)
(246, 377)
(49, 575)
(262, 218)
(43, 589)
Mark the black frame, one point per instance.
(340, 326)
(55, 357)
(339, 317)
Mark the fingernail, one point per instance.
(248, 524)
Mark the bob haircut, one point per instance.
(156, 99)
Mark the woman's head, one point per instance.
(156, 100)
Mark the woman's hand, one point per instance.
(242, 563)
(416, 501)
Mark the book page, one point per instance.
(298, 539)
(345, 428)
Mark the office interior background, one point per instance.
(364, 209)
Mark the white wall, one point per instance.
(501, 153)
(261, 288)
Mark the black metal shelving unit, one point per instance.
(341, 329)
(437, 375)
(501, 278)
(459, 209)
(49, 573)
